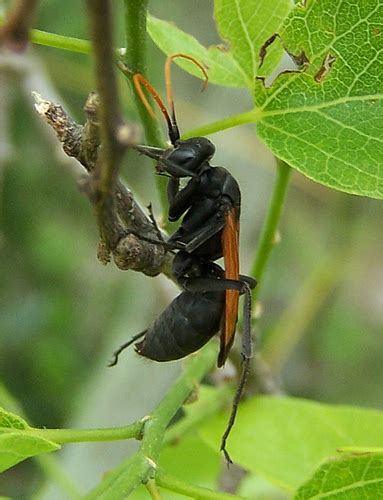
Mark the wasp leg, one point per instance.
(243, 286)
(252, 282)
(247, 354)
(124, 346)
(202, 224)
(199, 237)
(180, 199)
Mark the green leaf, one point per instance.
(16, 447)
(328, 124)
(285, 439)
(222, 68)
(244, 24)
(324, 120)
(11, 420)
(346, 478)
(184, 461)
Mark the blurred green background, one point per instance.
(62, 313)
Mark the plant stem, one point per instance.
(270, 226)
(155, 429)
(153, 490)
(101, 185)
(60, 42)
(123, 480)
(142, 466)
(48, 463)
(85, 435)
(174, 484)
(109, 112)
(211, 405)
(252, 116)
(136, 60)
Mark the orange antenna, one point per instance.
(139, 80)
(168, 79)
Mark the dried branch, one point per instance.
(83, 143)
(99, 146)
(14, 33)
(115, 134)
(114, 137)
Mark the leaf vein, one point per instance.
(349, 127)
(326, 155)
(244, 28)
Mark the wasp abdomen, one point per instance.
(186, 325)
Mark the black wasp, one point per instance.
(210, 204)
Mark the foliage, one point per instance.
(323, 118)
(346, 477)
(329, 110)
(15, 445)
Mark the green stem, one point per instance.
(270, 226)
(60, 42)
(174, 484)
(129, 474)
(211, 405)
(136, 60)
(124, 479)
(48, 462)
(155, 429)
(252, 116)
(85, 435)
(153, 490)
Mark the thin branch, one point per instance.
(61, 436)
(153, 491)
(109, 111)
(48, 463)
(119, 218)
(14, 33)
(136, 61)
(102, 185)
(214, 402)
(252, 116)
(270, 226)
(82, 143)
(48, 39)
(142, 466)
(117, 214)
(189, 490)
(40, 37)
(261, 376)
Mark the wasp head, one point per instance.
(188, 158)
